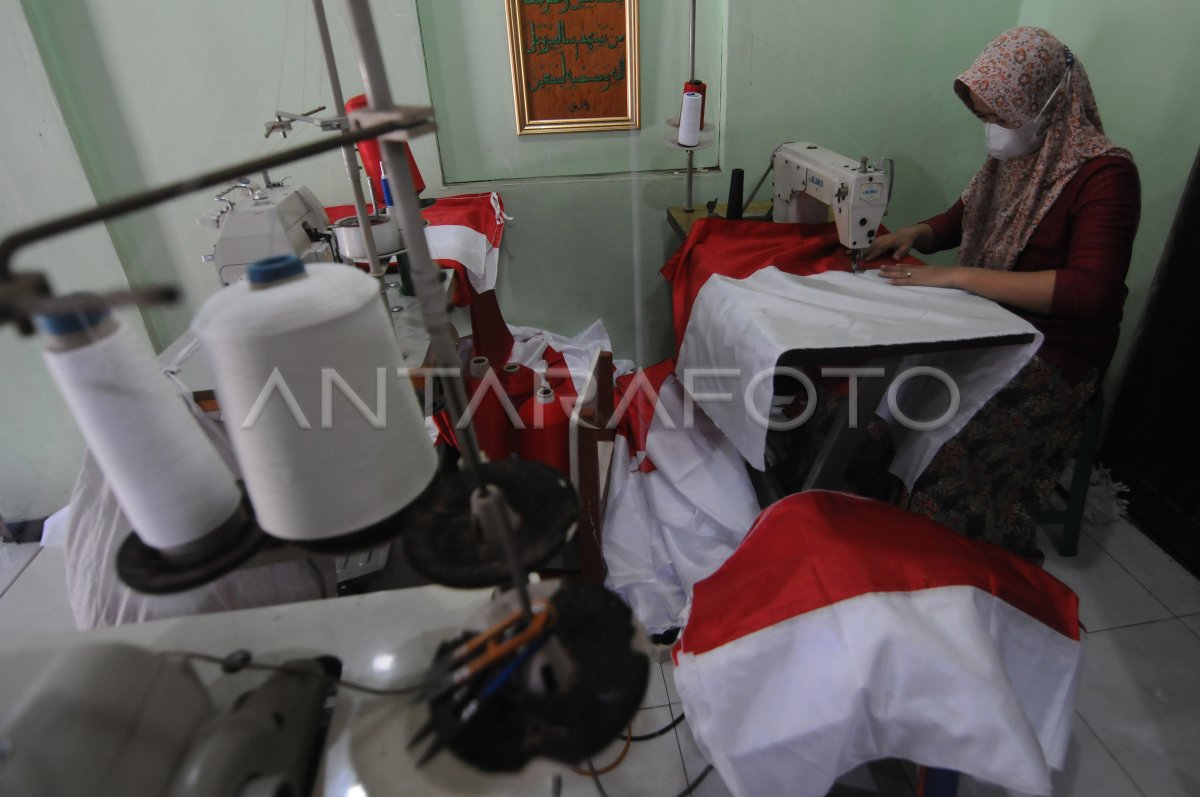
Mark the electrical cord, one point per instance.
(645, 737)
(591, 770)
(691, 787)
(240, 660)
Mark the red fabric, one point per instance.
(816, 548)
(738, 248)
(490, 336)
(1087, 236)
(635, 419)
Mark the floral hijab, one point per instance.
(1006, 200)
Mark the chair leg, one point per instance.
(1085, 457)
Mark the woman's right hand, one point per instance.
(899, 242)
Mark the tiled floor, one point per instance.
(1137, 724)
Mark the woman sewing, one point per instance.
(1045, 228)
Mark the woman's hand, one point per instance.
(1025, 290)
(928, 276)
(900, 242)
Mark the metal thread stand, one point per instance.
(691, 151)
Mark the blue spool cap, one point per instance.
(274, 269)
(71, 322)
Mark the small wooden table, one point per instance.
(681, 220)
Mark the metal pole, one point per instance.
(692, 43)
(424, 273)
(688, 207)
(348, 153)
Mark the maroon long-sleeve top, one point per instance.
(1087, 236)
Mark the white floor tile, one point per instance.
(656, 688)
(1141, 697)
(669, 675)
(36, 603)
(651, 767)
(1165, 578)
(1109, 596)
(14, 557)
(1193, 623)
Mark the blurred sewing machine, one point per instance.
(811, 180)
(268, 220)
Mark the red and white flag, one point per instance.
(464, 233)
(844, 630)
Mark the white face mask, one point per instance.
(1004, 143)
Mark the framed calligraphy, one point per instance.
(574, 64)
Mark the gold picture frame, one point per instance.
(574, 65)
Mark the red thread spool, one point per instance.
(519, 382)
(489, 419)
(544, 438)
(698, 87)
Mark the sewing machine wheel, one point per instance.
(444, 544)
(574, 698)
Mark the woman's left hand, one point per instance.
(929, 276)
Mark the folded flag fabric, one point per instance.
(679, 498)
(844, 630)
(464, 233)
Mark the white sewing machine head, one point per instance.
(811, 180)
(273, 220)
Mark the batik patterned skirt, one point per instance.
(990, 481)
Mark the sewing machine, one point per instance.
(272, 220)
(811, 180)
(110, 718)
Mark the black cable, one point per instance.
(695, 784)
(691, 787)
(645, 737)
(231, 665)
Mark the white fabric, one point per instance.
(667, 529)
(469, 247)
(949, 677)
(529, 349)
(54, 531)
(747, 324)
(95, 527)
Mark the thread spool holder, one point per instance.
(672, 140)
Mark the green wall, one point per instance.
(471, 85)
(1143, 61)
(40, 449)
